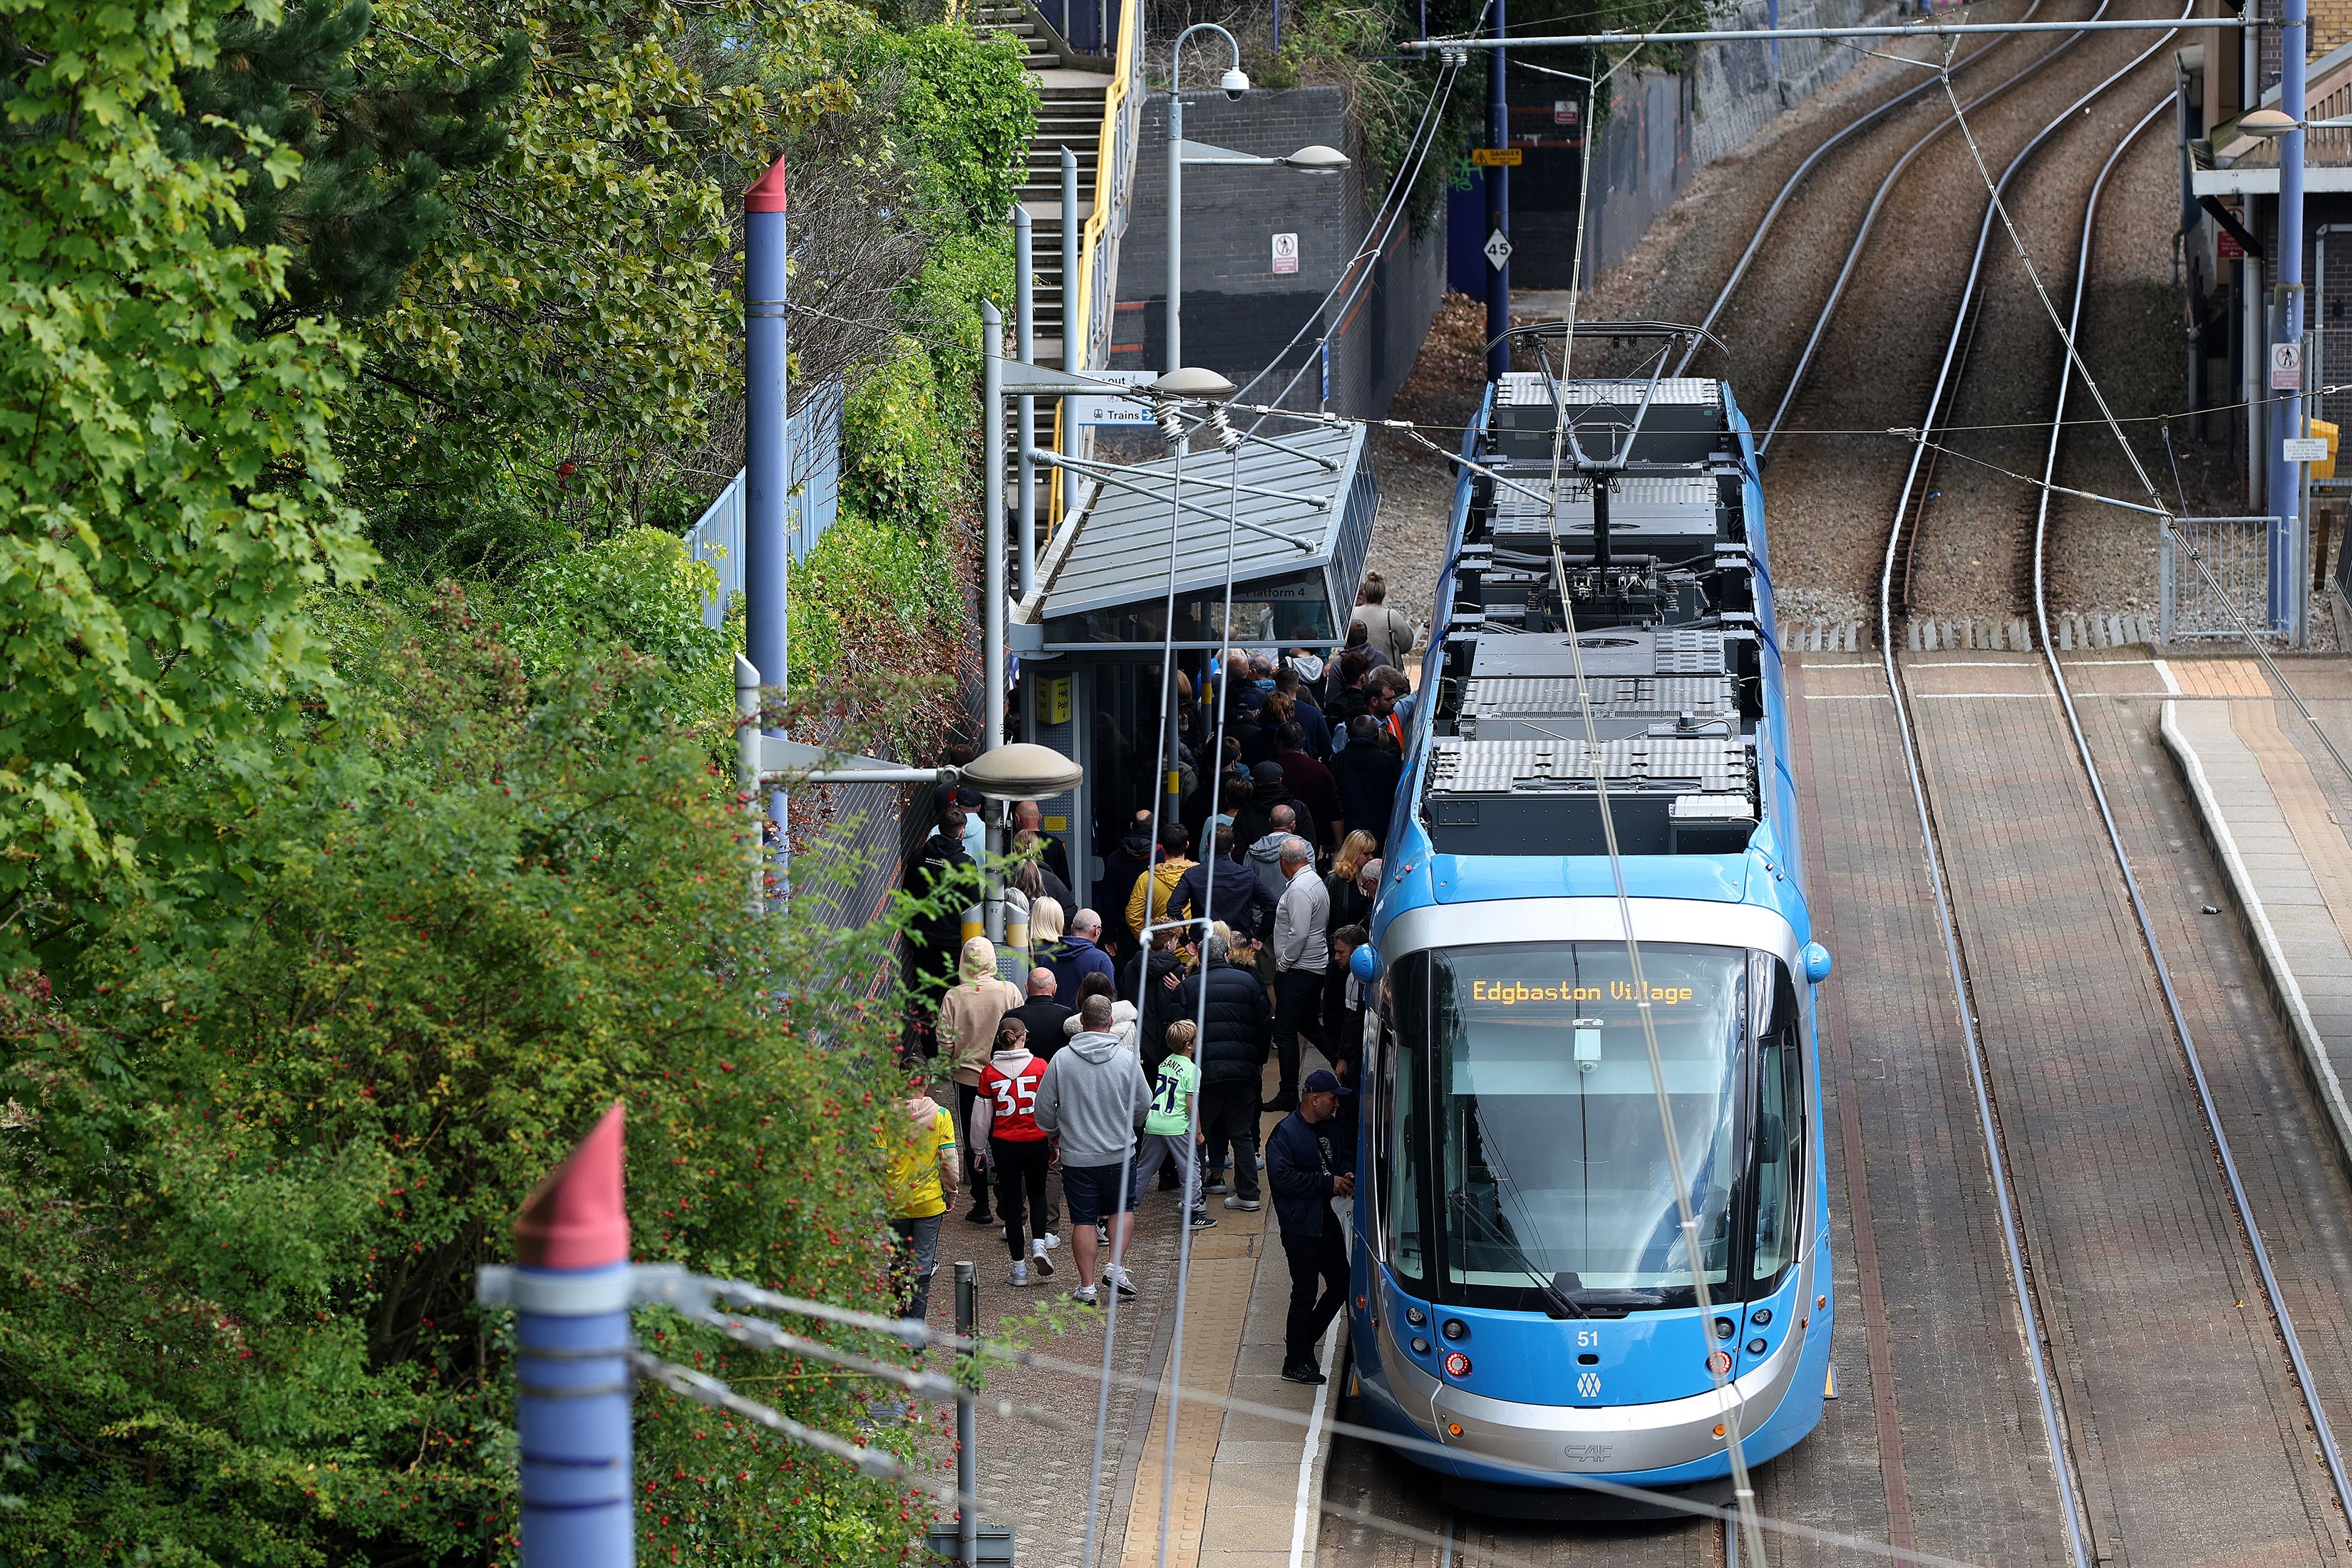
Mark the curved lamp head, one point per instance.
(1021, 771)
(1316, 159)
(2268, 122)
(1193, 384)
(1235, 82)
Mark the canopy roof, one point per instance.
(1114, 551)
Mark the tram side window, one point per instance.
(1780, 1143)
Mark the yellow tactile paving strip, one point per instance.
(2302, 803)
(2220, 678)
(1223, 1269)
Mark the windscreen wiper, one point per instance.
(1562, 1304)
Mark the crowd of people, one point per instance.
(1132, 1055)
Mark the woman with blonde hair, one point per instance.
(1045, 918)
(1349, 906)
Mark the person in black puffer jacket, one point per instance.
(1238, 1031)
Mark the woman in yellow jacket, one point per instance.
(919, 1182)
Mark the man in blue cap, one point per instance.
(1306, 1172)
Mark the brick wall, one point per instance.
(1238, 311)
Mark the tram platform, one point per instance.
(1247, 1486)
(2274, 809)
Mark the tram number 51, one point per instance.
(1587, 1337)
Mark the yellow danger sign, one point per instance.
(1495, 157)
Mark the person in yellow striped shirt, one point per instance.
(920, 1181)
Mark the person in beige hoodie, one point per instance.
(967, 1029)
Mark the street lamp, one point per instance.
(1315, 159)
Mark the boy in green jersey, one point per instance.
(1168, 1132)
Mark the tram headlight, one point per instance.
(1758, 1346)
(1453, 1328)
(1724, 1328)
(1761, 1317)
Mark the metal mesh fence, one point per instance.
(2214, 575)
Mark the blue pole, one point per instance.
(571, 1294)
(577, 1492)
(767, 456)
(2286, 486)
(1498, 209)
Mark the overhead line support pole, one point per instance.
(2286, 590)
(1498, 208)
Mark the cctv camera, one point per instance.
(1234, 82)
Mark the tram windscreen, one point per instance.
(1556, 1170)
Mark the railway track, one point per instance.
(2054, 1291)
(1364, 1478)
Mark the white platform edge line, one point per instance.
(2164, 672)
(2266, 942)
(1306, 1513)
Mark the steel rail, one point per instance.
(1789, 187)
(1870, 218)
(2305, 1381)
(2043, 1359)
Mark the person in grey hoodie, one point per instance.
(1092, 1103)
(1265, 855)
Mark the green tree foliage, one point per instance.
(246, 1178)
(165, 476)
(572, 341)
(363, 209)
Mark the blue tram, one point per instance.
(1523, 1296)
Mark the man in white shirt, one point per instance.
(1302, 946)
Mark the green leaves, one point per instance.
(166, 478)
(245, 1183)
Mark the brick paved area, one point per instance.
(1976, 1468)
(2191, 1439)
(2188, 1438)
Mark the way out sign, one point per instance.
(1286, 253)
(2287, 367)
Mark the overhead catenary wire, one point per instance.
(1743, 1488)
(1789, 187)
(915, 1333)
(2308, 1387)
(1357, 274)
(2039, 1357)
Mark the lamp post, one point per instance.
(1315, 159)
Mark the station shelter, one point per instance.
(1289, 518)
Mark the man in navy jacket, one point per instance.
(1306, 1172)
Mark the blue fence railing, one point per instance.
(815, 499)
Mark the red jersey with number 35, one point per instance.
(1014, 1099)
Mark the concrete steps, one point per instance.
(1069, 114)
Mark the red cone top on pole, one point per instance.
(768, 196)
(575, 1219)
